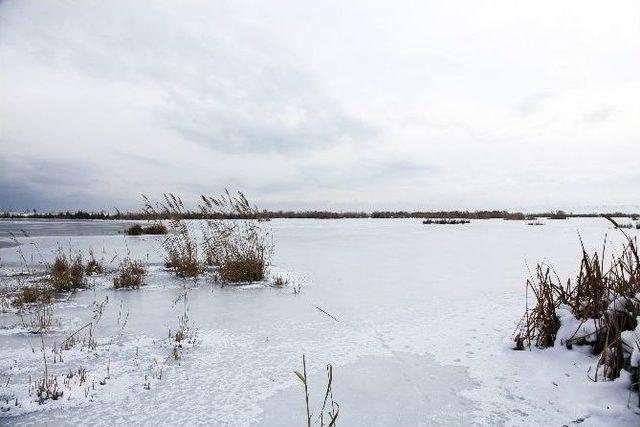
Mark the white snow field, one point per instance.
(422, 337)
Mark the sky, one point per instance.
(321, 105)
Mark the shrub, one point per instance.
(65, 275)
(130, 274)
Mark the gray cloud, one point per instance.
(228, 86)
(599, 115)
(288, 122)
(28, 183)
(535, 103)
(109, 99)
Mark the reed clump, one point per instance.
(67, 274)
(233, 242)
(239, 248)
(33, 295)
(130, 274)
(599, 309)
(540, 324)
(180, 244)
(156, 228)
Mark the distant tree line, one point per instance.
(265, 214)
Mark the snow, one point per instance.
(424, 319)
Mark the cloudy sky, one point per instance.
(321, 104)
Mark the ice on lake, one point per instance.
(424, 314)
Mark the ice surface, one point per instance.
(423, 314)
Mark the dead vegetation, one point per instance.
(180, 245)
(329, 409)
(185, 335)
(130, 274)
(94, 266)
(600, 308)
(32, 294)
(280, 281)
(240, 248)
(67, 273)
(233, 241)
(557, 215)
(445, 221)
(155, 228)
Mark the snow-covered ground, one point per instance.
(424, 315)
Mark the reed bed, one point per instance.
(238, 249)
(599, 308)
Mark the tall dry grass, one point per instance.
(67, 273)
(240, 248)
(180, 244)
(602, 302)
(130, 274)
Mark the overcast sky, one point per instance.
(321, 104)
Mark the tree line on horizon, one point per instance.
(312, 214)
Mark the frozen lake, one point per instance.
(424, 314)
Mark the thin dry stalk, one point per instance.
(334, 408)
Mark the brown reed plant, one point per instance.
(32, 295)
(130, 274)
(589, 299)
(239, 247)
(539, 325)
(180, 246)
(65, 274)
